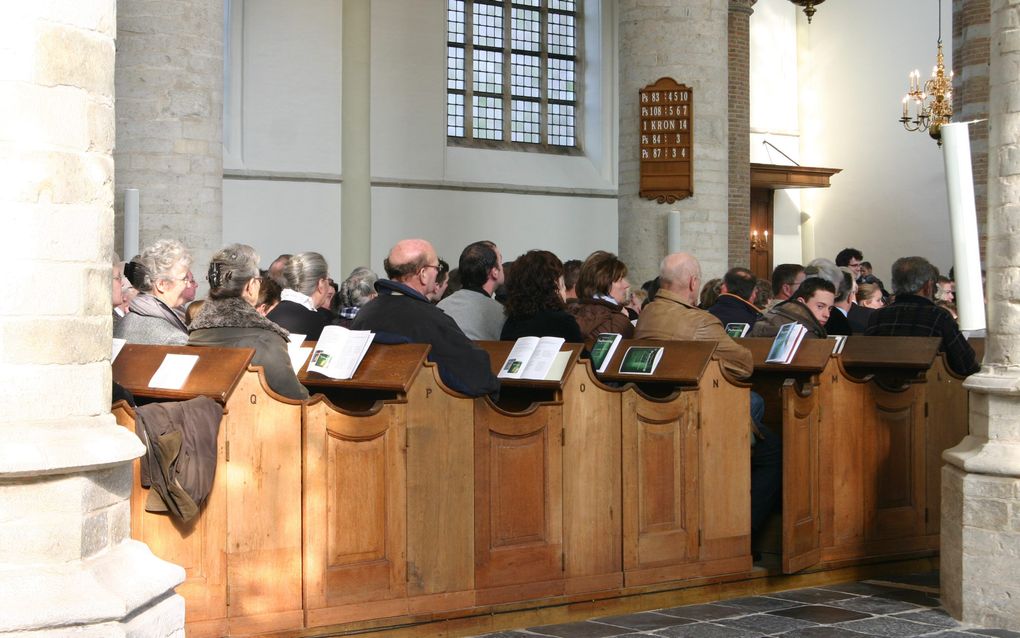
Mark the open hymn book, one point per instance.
(536, 358)
(339, 351)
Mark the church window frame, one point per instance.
(514, 70)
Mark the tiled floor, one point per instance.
(904, 606)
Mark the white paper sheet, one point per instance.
(174, 371)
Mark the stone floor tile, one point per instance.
(766, 624)
(812, 595)
(644, 621)
(762, 603)
(710, 611)
(705, 630)
(911, 596)
(822, 614)
(888, 626)
(936, 617)
(862, 589)
(822, 632)
(876, 605)
(952, 633)
(507, 634)
(925, 579)
(997, 633)
(584, 629)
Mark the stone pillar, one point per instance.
(169, 122)
(67, 563)
(740, 133)
(684, 40)
(981, 483)
(356, 138)
(970, 93)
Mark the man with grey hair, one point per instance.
(674, 315)
(402, 311)
(914, 314)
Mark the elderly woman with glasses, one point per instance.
(160, 274)
(228, 319)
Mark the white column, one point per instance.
(65, 466)
(356, 138)
(981, 483)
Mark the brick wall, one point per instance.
(970, 94)
(739, 133)
(169, 80)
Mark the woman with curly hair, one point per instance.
(160, 274)
(534, 303)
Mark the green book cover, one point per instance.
(640, 360)
(603, 348)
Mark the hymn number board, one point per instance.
(666, 130)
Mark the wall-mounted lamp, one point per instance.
(759, 242)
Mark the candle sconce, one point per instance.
(759, 242)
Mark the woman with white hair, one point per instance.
(306, 279)
(160, 275)
(228, 319)
(356, 291)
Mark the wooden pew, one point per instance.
(875, 437)
(389, 491)
(519, 491)
(686, 466)
(242, 553)
(793, 410)
(947, 411)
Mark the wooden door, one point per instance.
(761, 221)
(801, 524)
(894, 463)
(518, 502)
(354, 513)
(660, 486)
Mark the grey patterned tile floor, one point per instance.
(895, 607)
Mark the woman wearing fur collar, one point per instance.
(228, 318)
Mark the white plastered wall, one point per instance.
(851, 65)
(283, 139)
(282, 127)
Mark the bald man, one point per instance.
(402, 311)
(674, 315)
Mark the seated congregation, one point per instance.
(715, 416)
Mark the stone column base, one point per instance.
(124, 592)
(980, 547)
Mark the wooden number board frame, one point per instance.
(666, 133)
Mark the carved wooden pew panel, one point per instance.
(243, 552)
(686, 469)
(793, 410)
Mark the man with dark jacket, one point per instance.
(736, 302)
(914, 314)
(403, 310)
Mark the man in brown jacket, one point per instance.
(674, 314)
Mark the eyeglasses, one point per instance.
(431, 266)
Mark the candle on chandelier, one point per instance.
(905, 115)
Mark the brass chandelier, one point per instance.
(929, 106)
(809, 7)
